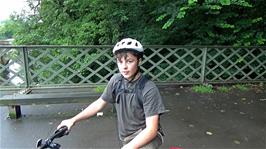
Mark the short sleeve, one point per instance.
(152, 102)
(107, 94)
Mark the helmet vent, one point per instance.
(128, 44)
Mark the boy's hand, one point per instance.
(68, 122)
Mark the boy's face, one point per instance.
(127, 65)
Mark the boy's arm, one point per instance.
(146, 135)
(91, 110)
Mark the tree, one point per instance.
(186, 22)
(7, 29)
(211, 22)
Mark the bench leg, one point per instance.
(14, 112)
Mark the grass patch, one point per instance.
(224, 89)
(203, 88)
(241, 87)
(100, 89)
(208, 88)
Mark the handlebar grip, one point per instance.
(60, 132)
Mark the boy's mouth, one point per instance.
(125, 72)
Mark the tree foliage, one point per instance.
(224, 22)
(7, 29)
(183, 22)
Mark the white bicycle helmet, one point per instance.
(128, 44)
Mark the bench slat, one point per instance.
(51, 98)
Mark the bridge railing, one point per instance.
(71, 66)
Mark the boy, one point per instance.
(137, 100)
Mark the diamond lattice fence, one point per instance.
(12, 70)
(70, 66)
(53, 66)
(173, 64)
(236, 64)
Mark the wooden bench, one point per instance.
(33, 96)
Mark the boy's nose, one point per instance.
(124, 65)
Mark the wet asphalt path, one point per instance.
(196, 121)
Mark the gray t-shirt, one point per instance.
(131, 115)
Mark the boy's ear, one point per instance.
(140, 61)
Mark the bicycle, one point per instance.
(48, 143)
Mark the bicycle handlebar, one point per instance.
(48, 143)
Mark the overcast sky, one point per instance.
(9, 6)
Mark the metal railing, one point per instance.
(70, 66)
